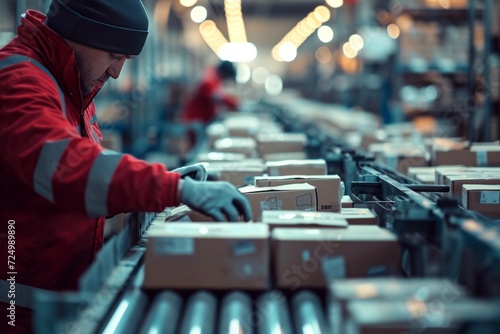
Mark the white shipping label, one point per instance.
(249, 179)
(271, 204)
(246, 247)
(333, 268)
(490, 197)
(482, 158)
(176, 246)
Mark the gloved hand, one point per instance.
(215, 199)
(196, 171)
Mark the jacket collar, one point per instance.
(55, 54)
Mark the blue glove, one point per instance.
(197, 172)
(216, 199)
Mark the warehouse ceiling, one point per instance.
(266, 22)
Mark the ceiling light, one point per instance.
(335, 3)
(349, 51)
(287, 51)
(188, 3)
(198, 14)
(325, 34)
(322, 13)
(238, 52)
(356, 42)
(259, 75)
(393, 30)
(273, 84)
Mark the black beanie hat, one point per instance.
(119, 26)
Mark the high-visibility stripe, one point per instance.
(96, 137)
(16, 59)
(24, 294)
(101, 173)
(46, 166)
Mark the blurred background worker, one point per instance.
(209, 97)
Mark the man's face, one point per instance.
(97, 66)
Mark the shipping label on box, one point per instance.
(301, 255)
(484, 199)
(207, 256)
(296, 167)
(328, 187)
(238, 173)
(287, 218)
(300, 196)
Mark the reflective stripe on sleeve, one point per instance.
(16, 59)
(46, 166)
(101, 173)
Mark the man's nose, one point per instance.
(115, 68)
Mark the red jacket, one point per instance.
(55, 183)
(202, 106)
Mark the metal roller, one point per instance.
(236, 314)
(308, 313)
(272, 315)
(200, 314)
(128, 313)
(163, 317)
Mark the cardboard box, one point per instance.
(475, 156)
(442, 172)
(207, 256)
(220, 156)
(301, 253)
(342, 291)
(287, 218)
(414, 171)
(359, 216)
(416, 316)
(246, 146)
(270, 143)
(455, 182)
(238, 173)
(402, 159)
(426, 178)
(347, 202)
(484, 199)
(285, 156)
(301, 196)
(296, 167)
(242, 125)
(216, 131)
(327, 186)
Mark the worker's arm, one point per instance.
(49, 156)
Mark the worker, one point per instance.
(56, 182)
(209, 96)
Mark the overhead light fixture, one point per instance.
(325, 34)
(238, 52)
(335, 3)
(287, 51)
(303, 29)
(356, 42)
(212, 36)
(393, 30)
(234, 20)
(188, 3)
(198, 14)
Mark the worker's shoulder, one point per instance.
(22, 69)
